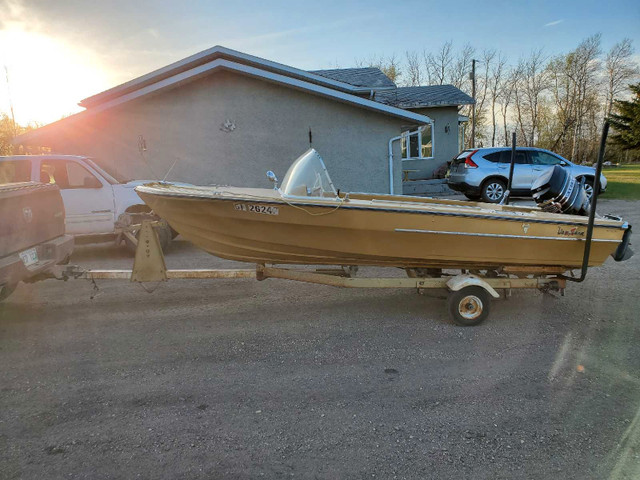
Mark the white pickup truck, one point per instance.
(98, 204)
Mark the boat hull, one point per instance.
(260, 227)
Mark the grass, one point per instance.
(623, 182)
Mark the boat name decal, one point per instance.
(249, 207)
(571, 232)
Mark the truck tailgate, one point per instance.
(30, 213)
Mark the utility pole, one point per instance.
(473, 106)
(13, 118)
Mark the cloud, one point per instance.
(554, 23)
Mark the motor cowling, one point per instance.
(557, 191)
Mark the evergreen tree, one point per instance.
(627, 121)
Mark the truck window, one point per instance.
(67, 175)
(12, 171)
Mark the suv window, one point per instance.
(504, 156)
(544, 158)
(12, 171)
(493, 157)
(67, 175)
(521, 157)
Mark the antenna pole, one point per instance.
(13, 118)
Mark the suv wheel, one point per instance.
(493, 190)
(588, 187)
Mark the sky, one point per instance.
(57, 52)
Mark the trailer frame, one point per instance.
(470, 291)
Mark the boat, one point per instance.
(308, 221)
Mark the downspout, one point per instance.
(432, 123)
(394, 139)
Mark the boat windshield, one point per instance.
(308, 177)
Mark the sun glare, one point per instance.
(47, 77)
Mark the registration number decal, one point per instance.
(250, 207)
(29, 257)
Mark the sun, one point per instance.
(47, 76)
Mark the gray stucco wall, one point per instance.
(270, 128)
(446, 143)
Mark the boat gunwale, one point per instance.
(507, 216)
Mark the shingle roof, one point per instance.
(360, 77)
(428, 96)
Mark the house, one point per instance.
(225, 117)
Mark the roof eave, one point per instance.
(432, 105)
(201, 70)
(205, 57)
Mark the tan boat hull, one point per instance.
(384, 230)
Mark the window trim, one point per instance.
(406, 135)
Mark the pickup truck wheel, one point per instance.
(164, 236)
(6, 290)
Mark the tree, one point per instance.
(7, 132)
(531, 82)
(626, 122)
(438, 65)
(619, 69)
(414, 70)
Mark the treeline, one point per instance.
(10, 129)
(558, 102)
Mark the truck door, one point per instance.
(88, 199)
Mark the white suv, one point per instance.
(483, 173)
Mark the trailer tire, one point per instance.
(469, 306)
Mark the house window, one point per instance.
(417, 144)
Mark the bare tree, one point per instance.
(459, 76)
(483, 84)
(506, 95)
(438, 65)
(619, 70)
(496, 82)
(414, 69)
(532, 81)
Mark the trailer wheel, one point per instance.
(469, 306)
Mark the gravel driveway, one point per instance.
(242, 379)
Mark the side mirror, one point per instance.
(564, 164)
(273, 179)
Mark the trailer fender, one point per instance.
(461, 281)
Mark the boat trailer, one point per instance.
(469, 298)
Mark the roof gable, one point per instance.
(207, 56)
(220, 64)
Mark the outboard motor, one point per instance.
(557, 191)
